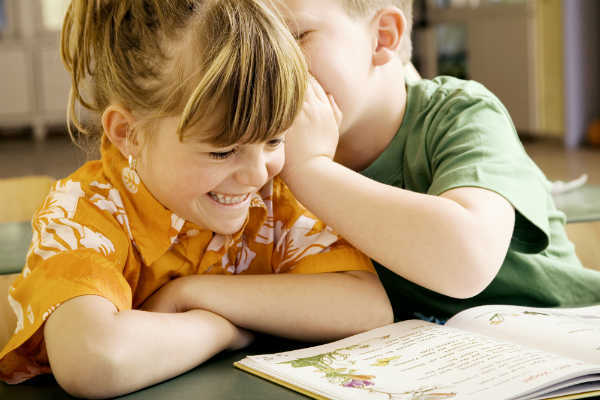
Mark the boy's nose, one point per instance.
(253, 170)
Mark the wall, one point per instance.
(582, 67)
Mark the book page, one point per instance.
(572, 332)
(418, 360)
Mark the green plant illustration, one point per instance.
(328, 365)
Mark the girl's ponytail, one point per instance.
(111, 47)
(78, 39)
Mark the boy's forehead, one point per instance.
(296, 6)
(302, 10)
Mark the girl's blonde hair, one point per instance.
(363, 7)
(194, 58)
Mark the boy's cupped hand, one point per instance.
(315, 131)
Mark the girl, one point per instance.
(149, 261)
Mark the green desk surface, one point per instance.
(581, 204)
(216, 379)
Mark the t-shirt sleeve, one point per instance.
(67, 258)
(472, 142)
(304, 244)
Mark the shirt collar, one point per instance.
(153, 227)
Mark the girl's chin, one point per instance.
(231, 227)
(228, 231)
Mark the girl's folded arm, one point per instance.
(308, 307)
(97, 352)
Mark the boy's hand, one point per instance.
(314, 132)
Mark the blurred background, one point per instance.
(540, 57)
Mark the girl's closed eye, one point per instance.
(275, 143)
(222, 155)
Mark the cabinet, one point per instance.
(34, 86)
(515, 48)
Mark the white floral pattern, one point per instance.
(114, 205)
(18, 310)
(55, 230)
(297, 242)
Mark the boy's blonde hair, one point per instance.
(363, 7)
(193, 58)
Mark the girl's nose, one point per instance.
(254, 170)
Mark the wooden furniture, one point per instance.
(586, 238)
(22, 196)
(582, 208)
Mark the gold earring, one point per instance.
(132, 162)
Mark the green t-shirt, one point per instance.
(456, 133)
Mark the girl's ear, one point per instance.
(117, 123)
(388, 27)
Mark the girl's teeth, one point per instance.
(223, 199)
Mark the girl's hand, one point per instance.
(165, 300)
(315, 131)
(243, 338)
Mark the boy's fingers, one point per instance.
(318, 89)
(310, 90)
(337, 113)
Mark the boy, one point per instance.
(428, 178)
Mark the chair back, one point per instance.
(20, 197)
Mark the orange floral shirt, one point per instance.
(100, 232)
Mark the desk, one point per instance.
(215, 379)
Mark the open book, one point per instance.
(486, 352)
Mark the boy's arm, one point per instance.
(97, 352)
(308, 307)
(453, 244)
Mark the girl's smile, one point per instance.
(229, 200)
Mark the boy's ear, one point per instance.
(388, 27)
(117, 123)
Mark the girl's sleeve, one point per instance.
(304, 244)
(67, 258)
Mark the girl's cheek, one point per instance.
(276, 165)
